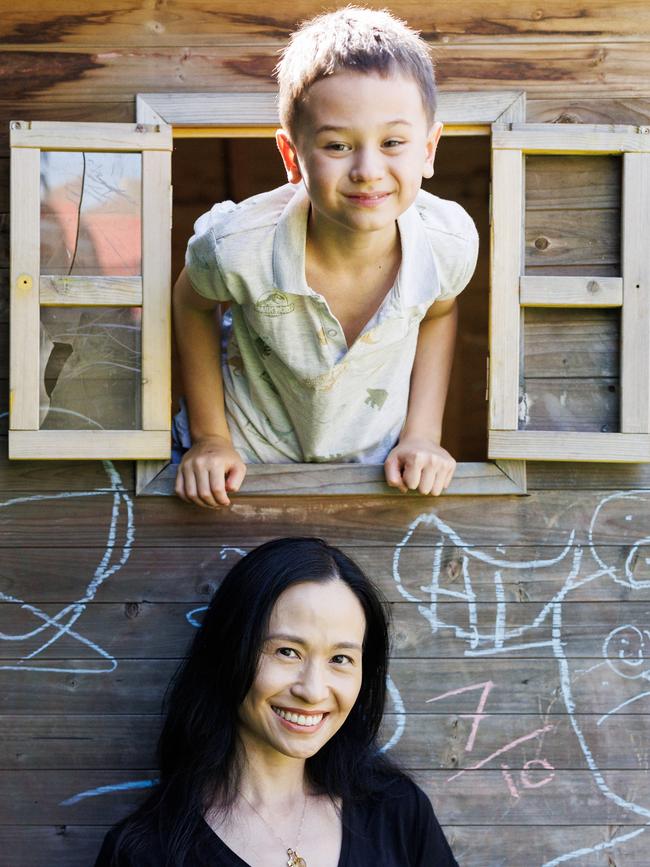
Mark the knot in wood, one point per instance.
(131, 610)
(541, 243)
(593, 286)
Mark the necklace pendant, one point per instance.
(294, 859)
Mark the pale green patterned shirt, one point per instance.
(294, 389)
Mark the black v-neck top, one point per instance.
(397, 828)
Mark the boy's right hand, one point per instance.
(208, 471)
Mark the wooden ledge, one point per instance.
(318, 480)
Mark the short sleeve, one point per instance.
(202, 257)
(453, 240)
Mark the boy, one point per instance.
(341, 284)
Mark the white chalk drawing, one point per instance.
(48, 629)
(625, 650)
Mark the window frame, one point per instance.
(512, 291)
(254, 114)
(31, 290)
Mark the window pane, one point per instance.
(91, 213)
(90, 368)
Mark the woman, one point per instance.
(269, 753)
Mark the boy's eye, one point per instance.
(337, 146)
(393, 143)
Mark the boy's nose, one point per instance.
(367, 166)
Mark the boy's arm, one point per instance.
(211, 467)
(418, 461)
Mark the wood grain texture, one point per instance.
(189, 574)
(65, 73)
(139, 630)
(550, 404)
(188, 22)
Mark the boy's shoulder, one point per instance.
(261, 211)
(445, 217)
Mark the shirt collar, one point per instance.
(417, 280)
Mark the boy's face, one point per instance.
(362, 148)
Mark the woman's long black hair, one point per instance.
(198, 747)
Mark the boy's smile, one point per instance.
(362, 147)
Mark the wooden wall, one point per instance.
(519, 683)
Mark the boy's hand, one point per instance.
(208, 471)
(419, 464)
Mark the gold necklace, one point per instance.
(295, 860)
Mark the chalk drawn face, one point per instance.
(619, 537)
(309, 673)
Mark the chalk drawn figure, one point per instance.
(488, 631)
(37, 630)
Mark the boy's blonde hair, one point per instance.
(352, 38)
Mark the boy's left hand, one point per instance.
(419, 464)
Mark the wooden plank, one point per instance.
(550, 404)
(260, 109)
(73, 291)
(604, 846)
(25, 265)
(61, 135)
(635, 342)
(191, 573)
(568, 446)
(439, 630)
(44, 109)
(571, 343)
(574, 69)
(476, 797)
(583, 477)
(541, 518)
(589, 240)
(506, 245)
(133, 24)
(573, 183)
(36, 477)
(570, 139)
(89, 444)
(470, 478)
(547, 291)
(601, 110)
(156, 282)
(54, 845)
(127, 742)
(134, 686)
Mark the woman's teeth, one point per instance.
(299, 718)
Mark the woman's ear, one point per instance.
(289, 156)
(430, 149)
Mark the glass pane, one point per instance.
(91, 213)
(90, 368)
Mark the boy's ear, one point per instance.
(289, 156)
(430, 149)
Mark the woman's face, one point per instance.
(309, 674)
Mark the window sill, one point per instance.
(326, 480)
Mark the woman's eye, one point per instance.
(342, 659)
(289, 652)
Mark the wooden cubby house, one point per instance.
(519, 694)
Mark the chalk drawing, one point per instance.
(120, 536)
(107, 790)
(625, 650)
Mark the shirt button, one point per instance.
(332, 332)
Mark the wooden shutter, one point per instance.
(90, 290)
(513, 291)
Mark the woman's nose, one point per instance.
(312, 685)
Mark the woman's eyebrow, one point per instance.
(295, 639)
